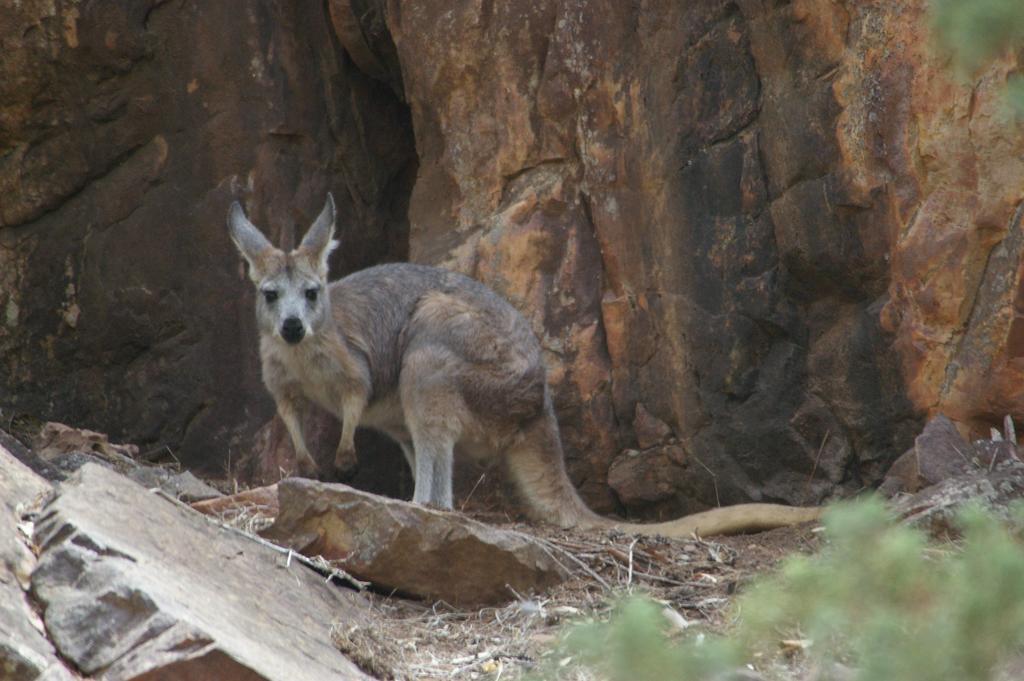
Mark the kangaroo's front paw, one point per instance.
(345, 462)
(306, 467)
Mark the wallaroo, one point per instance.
(436, 361)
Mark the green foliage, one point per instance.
(634, 646)
(878, 598)
(976, 31)
(898, 609)
(1015, 92)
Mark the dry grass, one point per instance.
(248, 519)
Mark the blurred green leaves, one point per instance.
(878, 598)
(977, 31)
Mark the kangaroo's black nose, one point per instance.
(292, 330)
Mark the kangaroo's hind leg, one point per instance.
(434, 413)
(434, 452)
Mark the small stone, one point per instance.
(939, 453)
(650, 430)
(56, 441)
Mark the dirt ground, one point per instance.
(695, 580)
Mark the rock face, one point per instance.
(782, 230)
(677, 195)
(405, 547)
(171, 595)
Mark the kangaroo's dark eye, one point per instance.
(311, 294)
(270, 295)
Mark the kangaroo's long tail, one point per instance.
(537, 466)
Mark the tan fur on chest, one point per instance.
(314, 370)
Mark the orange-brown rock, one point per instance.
(671, 180)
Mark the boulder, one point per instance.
(649, 477)
(27, 457)
(172, 595)
(406, 547)
(56, 439)
(59, 450)
(650, 430)
(19, 485)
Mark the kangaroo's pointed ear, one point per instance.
(319, 240)
(249, 240)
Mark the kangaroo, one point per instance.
(434, 360)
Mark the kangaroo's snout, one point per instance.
(292, 330)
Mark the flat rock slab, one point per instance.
(24, 651)
(137, 586)
(417, 551)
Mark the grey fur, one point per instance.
(318, 238)
(248, 239)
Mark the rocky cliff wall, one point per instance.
(759, 240)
